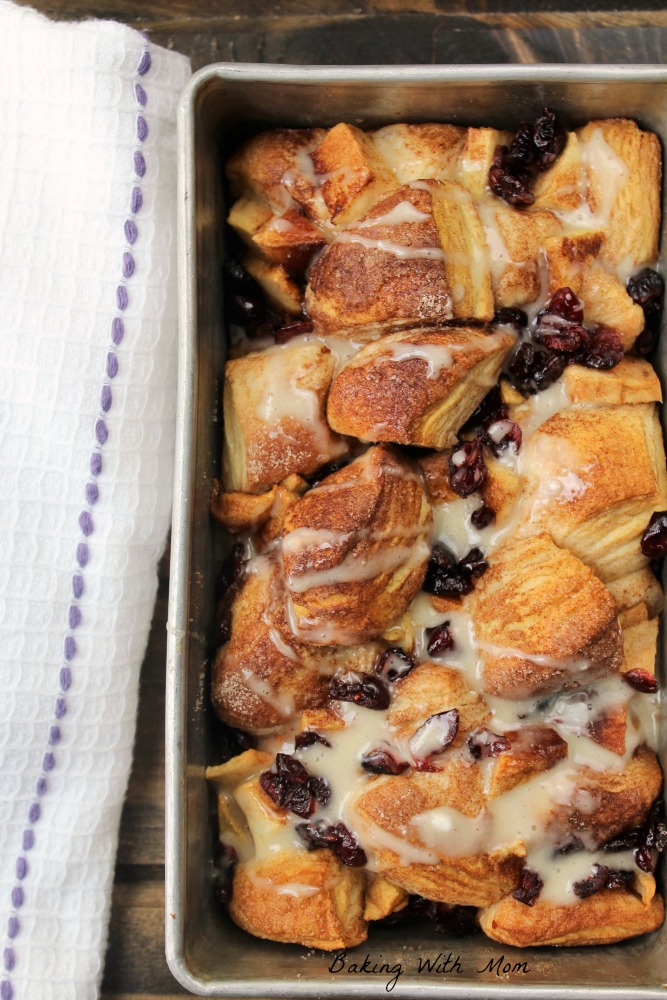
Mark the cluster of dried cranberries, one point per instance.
(647, 289)
(336, 837)
(247, 307)
(562, 339)
(533, 149)
(652, 836)
(492, 427)
(445, 577)
(292, 787)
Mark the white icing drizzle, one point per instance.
(401, 213)
(396, 249)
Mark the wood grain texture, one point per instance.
(312, 32)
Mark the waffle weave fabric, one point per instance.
(87, 402)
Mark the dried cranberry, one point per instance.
(467, 471)
(320, 789)
(516, 318)
(447, 578)
(360, 688)
(640, 680)
(654, 539)
(548, 138)
(624, 841)
(571, 846)
(303, 740)
(434, 736)
(646, 341)
(394, 663)
(603, 878)
(644, 859)
(547, 369)
(655, 828)
(505, 184)
(296, 329)
(291, 787)
(474, 563)
(558, 335)
(532, 371)
(529, 887)
(534, 148)
(564, 303)
(605, 349)
(382, 762)
(482, 517)
(338, 838)
(440, 639)
(484, 743)
(647, 289)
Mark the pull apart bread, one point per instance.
(444, 469)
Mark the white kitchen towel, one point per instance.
(87, 400)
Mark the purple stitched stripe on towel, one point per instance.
(87, 527)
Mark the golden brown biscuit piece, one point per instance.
(279, 287)
(543, 621)
(385, 272)
(355, 549)
(416, 386)
(262, 677)
(351, 173)
(633, 380)
(464, 245)
(622, 166)
(640, 643)
(640, 587)
(532, 749)
(403, 818)
(429, 689)
(608, 802)
(289, 239)
(301, 898)
(420, 152)
(276, 166)
(608, 916)
(516, 242)
(383, 898)
(561, 187)
(274, 404)
(593, 478)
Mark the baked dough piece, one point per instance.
(561, 187)
(416, 386)
(274, 415)
(593, 478)
(355, 549)
(402, 815)
(289, 239)
(259, 679)
(277, 167)
(406, 263)
(532, 750)
(420, 152)
(429, 689)
(351, 173)
(516, 242)
(622, 167)
(607, 803)
(542, 620)
(608, 916)
(299, 898)
(633, 380)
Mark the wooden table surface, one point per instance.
(312, 32)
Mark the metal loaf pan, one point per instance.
(222, 105)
